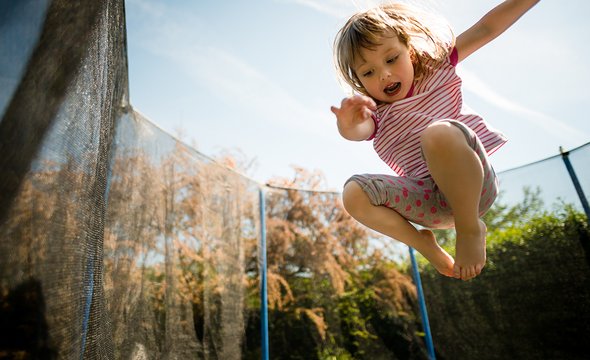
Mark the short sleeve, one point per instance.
(376, 121)
(454, 56)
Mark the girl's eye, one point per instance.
(392, 60)
(368, 73)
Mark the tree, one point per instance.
(500, 216)
(329, 289)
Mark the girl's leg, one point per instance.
(458, 172)
(392, 224)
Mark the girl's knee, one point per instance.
(439, 135)
(353, 197)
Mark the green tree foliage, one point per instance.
(532, 301)
(179, 275)
(330, 295)
(501, 215)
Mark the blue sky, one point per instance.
(257, 77)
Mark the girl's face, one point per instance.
(386, 72)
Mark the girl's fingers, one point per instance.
(371, 104)
(362, 101)
(367, 113)
(358, 107)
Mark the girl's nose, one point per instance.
(385, 74)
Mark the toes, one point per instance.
(478, 269)
(448, 272)
(472, 272)
(464, 273)
(468, 273)
(457, 271)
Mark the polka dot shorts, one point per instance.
(419, 200)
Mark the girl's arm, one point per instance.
(491, 25)
(354, 117)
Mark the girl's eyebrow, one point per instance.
(361, 62)
(359, 66)
(392, 49)
(385, 52)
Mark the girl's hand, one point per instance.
(354, 117)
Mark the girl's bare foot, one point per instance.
(470, 253)
(437, 256)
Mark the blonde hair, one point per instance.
(429, 38)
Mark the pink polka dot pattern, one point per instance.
(420, 200)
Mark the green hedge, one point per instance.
(532, 300)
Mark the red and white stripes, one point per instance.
(437, 96)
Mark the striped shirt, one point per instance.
(436, 96)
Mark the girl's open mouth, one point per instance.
(393, 89)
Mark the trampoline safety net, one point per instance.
(117, 241)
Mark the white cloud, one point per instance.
(232, 78)
(179, 38)
(474, 84)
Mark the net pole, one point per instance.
(89, 289)
(263, 280)
(422, 303)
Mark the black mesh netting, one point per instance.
(548, 178)
(532, 300)
(117, 241)
(332, 292)
(55, 141)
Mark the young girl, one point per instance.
(410, 105)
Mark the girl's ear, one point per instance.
(416, 63)
(413, 56)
